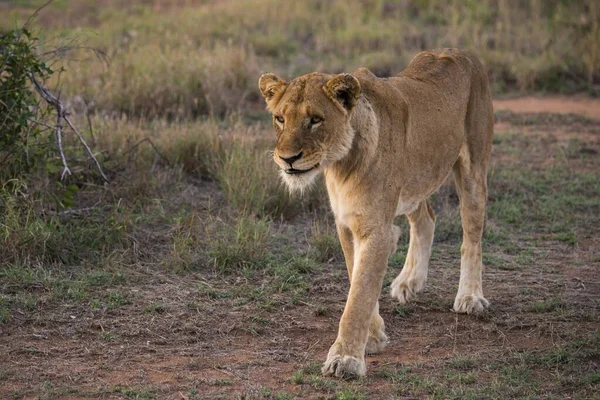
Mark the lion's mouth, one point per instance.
(292, 171)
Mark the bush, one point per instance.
(20, 109)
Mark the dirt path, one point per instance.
(556, 105)
(158, 335)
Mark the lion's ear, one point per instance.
(344, 90)
(271, 87)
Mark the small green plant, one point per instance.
(302, 265)
(325, 244)
(320, 383)
(350, 393)
(463, 363)
(4, 310)
(108, 336)
(116, 299)
(394, 373)
(404, 310)
(567, 237)
(298, 378)
(243, 245)
(250, 182)
(320, 310)
(155, 308)
(549, 305)
(184, 236)
(135, 393)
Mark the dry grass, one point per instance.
(195, 60)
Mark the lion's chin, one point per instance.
(299, 182)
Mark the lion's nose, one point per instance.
(290, 160)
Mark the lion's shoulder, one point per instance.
(364, 73)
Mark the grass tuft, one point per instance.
(243, 245)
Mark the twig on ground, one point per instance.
(77, 211)
(312, 346)
(455, 334)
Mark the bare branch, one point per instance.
(151, 144)
(34, 121)
(62, 115)
(87, 148)
(35, 13)
(60, 53)
(59, 112)
(89, 120)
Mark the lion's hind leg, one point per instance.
(413, 276)
(471, 186)
(377, 338)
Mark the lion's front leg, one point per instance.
(346, 358)
(377, 339)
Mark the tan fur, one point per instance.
(385, 145)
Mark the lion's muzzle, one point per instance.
(290, 160)
(293, 171)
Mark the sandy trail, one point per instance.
(589, 107)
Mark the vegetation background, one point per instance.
(213, 280)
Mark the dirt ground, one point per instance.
(205, 344)
(552, 105)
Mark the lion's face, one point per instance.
(311, 117)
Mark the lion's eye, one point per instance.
(315, 120)
(279, 119)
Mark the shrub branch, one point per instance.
(61, 114)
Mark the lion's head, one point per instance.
(311, 117)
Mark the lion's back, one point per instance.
(442, 64)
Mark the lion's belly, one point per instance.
(406, 206)
(414, 191)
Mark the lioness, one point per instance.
(385, 145)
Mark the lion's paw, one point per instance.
(343, 366)
(405, 290)
(470, 304)
(376, 342)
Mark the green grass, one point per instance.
(350, 394)
(463, 363)
(550, 305)
(297, 378)
(135, 393)
(56, 239)
(491, 377)
(155, 308)
(527, 200)
(33, 289)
